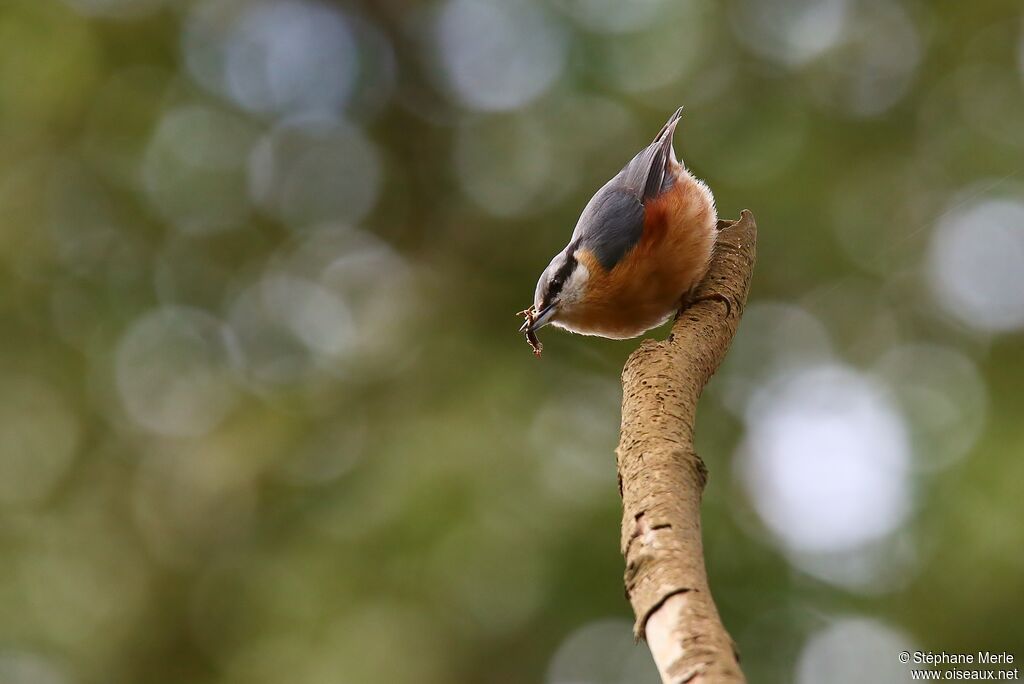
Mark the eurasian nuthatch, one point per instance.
(642, 244)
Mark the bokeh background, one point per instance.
(264, 414)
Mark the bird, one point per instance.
(642, 244)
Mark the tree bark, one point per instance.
(661, 478)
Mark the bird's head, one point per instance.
(560, 287)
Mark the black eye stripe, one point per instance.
(559, 278)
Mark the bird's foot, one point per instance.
(689, 300)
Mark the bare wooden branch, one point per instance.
(662, 478)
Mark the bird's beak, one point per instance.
(541, 319)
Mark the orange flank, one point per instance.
(645, 288)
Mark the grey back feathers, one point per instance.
(613, 220)
(611, 224)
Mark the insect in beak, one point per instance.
(536, 321)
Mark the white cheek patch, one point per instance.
(576, 286)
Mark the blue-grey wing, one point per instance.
(611, 224)
(613, 221)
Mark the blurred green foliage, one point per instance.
(264, 416)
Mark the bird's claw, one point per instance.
(711, 297)
(716, 297)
